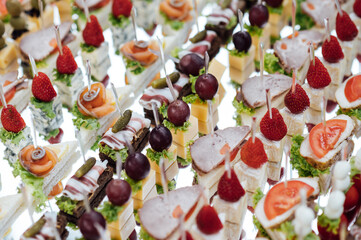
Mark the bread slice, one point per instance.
(333, 155)
(11, 207)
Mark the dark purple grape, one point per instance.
(258, 15)
(87, 225)
(191, 64)
(242, 41)
(178, 112)
(133, 235)
(206, 86)
(118, 192)
(274, 3)
(160, 138)
(137, 166)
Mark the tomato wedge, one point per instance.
(280, 199)
(353, 88)
(322, 141)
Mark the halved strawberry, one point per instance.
(273, 128)
(230, 189)
(353, 88)
(322, 141)
(11, 119)
(42, 88)
(253, 153)
(352, 198)
(208, 221)
(280, 199)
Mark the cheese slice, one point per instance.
(147, 185)
(200, 110)
(182, 138)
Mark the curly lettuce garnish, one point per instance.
(155, 156)
(66, 204)
(110, 211)
(331, 225)
(15, 138)
(112, 153)
(83, 121)
(135, 185)
(64, 78)
(350, 112)
(46, 107)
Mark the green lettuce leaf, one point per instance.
(46, 107)
(83, 121)
(136, 216)
(87, 48)
(277, 10)
(72, 226)
(14, 137)
(350, 112)
(143, 235)
(96, 143)
(261, 230)
(163, 110)
(232, 22)
(195, 176)
(66, 204)
(136, 67)
(118, 22)
(112, 153)
(253, 30)
(272, 65)
(299, 163)
(242, 108)
(64, 78)
(174, 24)
(110, 211)
(303, 19)
(51, 134)
(273, 40)
(194, 97)
(41, 64)
(171, 187)
(183, 161)
(236, 53)
(35, 183)
(189, 156)
(156, 156)
(171, 126)
(175, 52)
(288, 229)
(258, 195)
(6, 18)
(135, 185)
(330, 224)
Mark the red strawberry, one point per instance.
(273, 129)
(57, 138)
(66, 63)
(208, 221)
(42, 88)
(357, 8)
(253, 153)
(317, 75)
(229, 189)
(93, 32)
(297, 101)
(332, 51)
(351, 200)
(122, 7)
(188, 236)
(11, 119)
(345, 28)
(357, 182)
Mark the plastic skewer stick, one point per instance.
(181, 227)
(89, 73)
(27, 202)
(102, 231)
(323, 112)
(345, 153)
(155, 113)
(253, 129)
(134, 14)
(58, 41)
(327, 27)
(129, 146)
(339, 10)
(115, 94)
(293, 81)
(294, 5)
(228, 164)
(34, 132)
(119, 165)
(53, 225)
(268, 99)
(41, 9)
(86, 203)
(163, 178)
(312, 53)
(33, 65)
(80, 143)
(261, 63)
(86, 10)
(195, 6)
(169, 82)
(56, 16)
(2, 96)
(303, 195)
(240, 19)
(286, 166)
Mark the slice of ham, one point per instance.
(91, 4)
(252, 91)
(201, 47)
(207, 151)
(156, 215)
(293, 53)
(42, 43)
(318, 10)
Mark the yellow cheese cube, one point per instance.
(181, 138)
(287, 8)
(65, 12)
(238, 76)
(264, 38)
(138, 204)
(147, 185)
(275, 18)
(181, 150)
(216, 69)
(125, 231)
(241, 63)
(123, 216)
(170, 173)
(205, 127)
(167, 162)
(200, 110)
(7, 55)
(221, 92)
